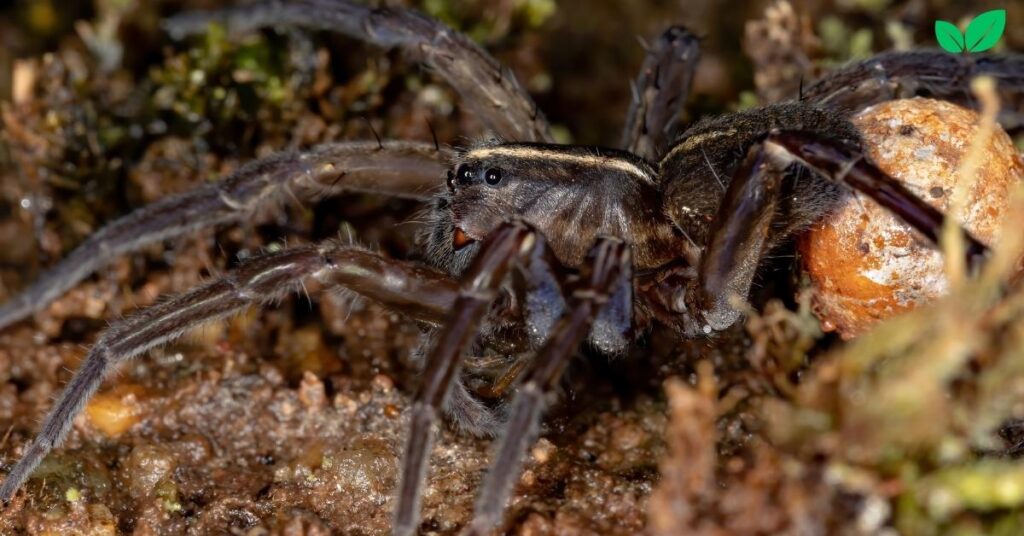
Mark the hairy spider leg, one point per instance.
(425, 293)
(738, 239)
(401, 169)
(897, 75)
(842, 164)
(743, 222)
(538, 288)
(500, 251)
(606, 271)
(660, 92)
(489, 89)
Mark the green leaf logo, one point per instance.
(985, 30)
(982, 33)
(949, 36)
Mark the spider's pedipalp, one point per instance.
(489, 89)
(401, 169)
(659, 93)
(258, 281)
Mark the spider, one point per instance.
(534, 249)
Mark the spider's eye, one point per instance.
(451, 180)
(493, 176)
(465, 173)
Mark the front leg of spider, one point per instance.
(607, 271)
(505, 246)
(400, 169)
(412, 289)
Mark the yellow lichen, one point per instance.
(115, 411)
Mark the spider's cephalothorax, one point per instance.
(570, 194)
(532, 247)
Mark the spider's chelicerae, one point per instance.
(534, 248)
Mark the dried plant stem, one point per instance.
(984, 88)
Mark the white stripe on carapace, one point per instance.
(544, 153)
(693, 141)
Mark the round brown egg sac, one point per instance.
(863, 262)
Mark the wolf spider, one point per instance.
(534, 248)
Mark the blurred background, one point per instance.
(573, 54)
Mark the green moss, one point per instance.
(983, 486)
(478, 19)
(747, 101)
(843, 43)
(72, 495)
(537, 12)
(167, 492)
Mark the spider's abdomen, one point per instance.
(698, 167)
